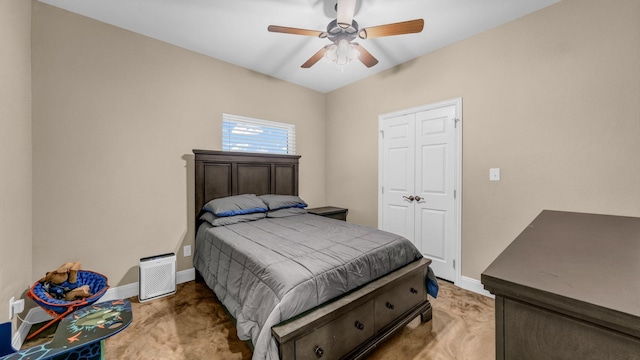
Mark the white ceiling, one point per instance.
(235, 31)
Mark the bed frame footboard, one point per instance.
(355, 324)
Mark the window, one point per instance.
(254, 135)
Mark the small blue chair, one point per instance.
(58, 309)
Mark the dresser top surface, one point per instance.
(587, 258)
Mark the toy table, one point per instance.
(80, 334)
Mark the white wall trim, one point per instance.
(120, 292)
(474, 285)
(185, 276)
(38, 315)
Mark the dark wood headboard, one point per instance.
(223, 173)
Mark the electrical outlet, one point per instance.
(494, 174)
(18, 306)
(15, 307)
(187, 250)
(11, 308)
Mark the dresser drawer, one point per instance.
(399, 299)
(334, 339)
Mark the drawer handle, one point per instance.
(318, 351)
(414, 291)
(359, 325)
(390, 306)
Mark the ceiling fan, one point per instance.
(343, 30)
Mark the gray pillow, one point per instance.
(286, 212)
(236, 205)
(277, 202)
(230, 220)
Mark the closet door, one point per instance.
(417, 171)
(398, 152)
(435, 223)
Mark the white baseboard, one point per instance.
(120, 292)
(37, 315)
(185, 276)
(474, 285)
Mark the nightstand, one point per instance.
(330, 212)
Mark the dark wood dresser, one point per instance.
(568, 287)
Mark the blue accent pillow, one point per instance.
(236, 205)
(277, 202)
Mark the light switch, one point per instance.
(494, 174)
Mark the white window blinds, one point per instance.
(255, 135)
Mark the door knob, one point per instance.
(418, 198)
(410, 198)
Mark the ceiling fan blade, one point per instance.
(399, 28)
(367, 59)
(315, 58)
(346, 9)
(296, 31)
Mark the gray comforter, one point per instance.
(269, 270)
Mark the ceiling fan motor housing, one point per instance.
(336, 32)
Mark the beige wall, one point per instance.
(552, 99)
(115, 118)
(15, 151)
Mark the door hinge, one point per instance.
(454, 264)
(383, 189)
(454, 194)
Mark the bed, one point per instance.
(290, 303)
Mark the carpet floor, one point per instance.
(193, 325)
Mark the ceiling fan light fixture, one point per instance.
(332, 52)
(344, 48)
(342, 53)
(354, 53)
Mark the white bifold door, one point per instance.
(419, 170)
